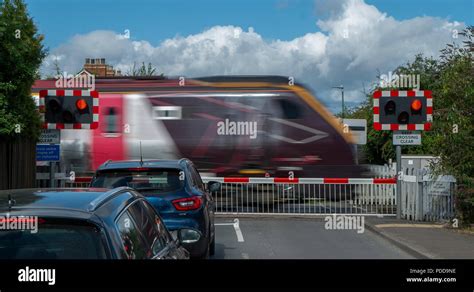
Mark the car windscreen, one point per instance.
(163, 180)
(52, 241)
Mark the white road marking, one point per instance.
(240, 236)
(245, 256)
(238, 232)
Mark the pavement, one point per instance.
(423, 239)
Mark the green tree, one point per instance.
(453, 131)
(21, 54)
(453, 108)
(143, 70)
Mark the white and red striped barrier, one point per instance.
(83, 179)
(285, 180)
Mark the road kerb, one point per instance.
(397, 242)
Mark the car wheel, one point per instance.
(205, 255)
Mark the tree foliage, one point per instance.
(453, 133)
(21, 54)
(142, 70)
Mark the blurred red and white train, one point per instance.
(209, 120)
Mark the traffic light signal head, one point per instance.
(69, 109)
(390, 108)
(403, 118)
(402, 110)
(416, 106)
(54, 105)
(81, 105)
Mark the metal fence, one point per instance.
(305, 196)
(426, 197)
(299, 196)
(80, 182)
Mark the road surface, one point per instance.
(295, 238)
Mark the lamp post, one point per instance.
(341, 87)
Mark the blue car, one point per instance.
(175, 189)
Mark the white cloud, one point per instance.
(354, 41)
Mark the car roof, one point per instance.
(146, 163)
(60, 201)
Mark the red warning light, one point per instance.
(81, 104)
(416, 105)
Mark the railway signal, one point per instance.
(69, 109)
(397, 110)
(403, 110)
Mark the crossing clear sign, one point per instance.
(406, 138)
(48, 146)
(50, 136)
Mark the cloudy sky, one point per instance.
(320, 43)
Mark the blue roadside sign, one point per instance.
(47, 152)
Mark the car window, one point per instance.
(146, 218)
(53, 240)
(132, 241)
(192, 177)
(162, 233)
(164, 180)
(196, 177)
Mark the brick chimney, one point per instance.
(99, 68)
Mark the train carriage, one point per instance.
(227, 125)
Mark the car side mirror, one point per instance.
(187, 236)
(213, 186)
